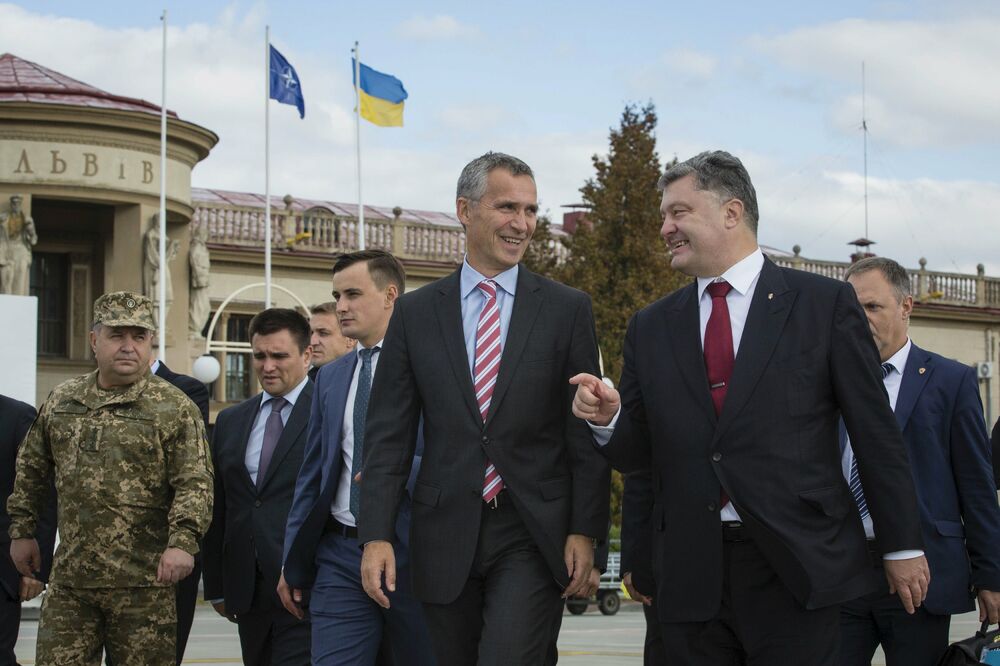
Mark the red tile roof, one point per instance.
(25, 81)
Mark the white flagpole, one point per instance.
(357, 129)
(267, 167)
(162, 311)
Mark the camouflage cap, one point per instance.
(124, 308)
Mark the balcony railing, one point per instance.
(929, 287)
(320, 230)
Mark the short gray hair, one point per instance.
(895, 275)
(472, 182)
(722, 174)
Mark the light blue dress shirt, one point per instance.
(473, 301)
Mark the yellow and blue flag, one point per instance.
(381, 96)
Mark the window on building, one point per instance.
(238, 367)
(49, 284)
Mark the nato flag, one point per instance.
(285, 85)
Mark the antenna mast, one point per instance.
(864, 129)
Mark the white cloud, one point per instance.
(930, 83)
(434, 28)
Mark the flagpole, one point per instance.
(160, 281)
(357, 131)
(267, 167)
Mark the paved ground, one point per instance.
(589, 639)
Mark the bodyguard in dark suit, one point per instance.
(257, 449)
(322, 552)
(730, 395)
(936, 402)
(16, 418)
(637, 559)
(510, 496)
(187, 589)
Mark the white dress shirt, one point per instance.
(892, 383)
(256, 441)
(341, 506)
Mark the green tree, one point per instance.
(618, 256)
(542, 255)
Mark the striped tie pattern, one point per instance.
(485, 368)
(855, 480)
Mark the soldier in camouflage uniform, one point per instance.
(134, 480)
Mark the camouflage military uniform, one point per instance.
(133, 478)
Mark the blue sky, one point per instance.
(777, 83)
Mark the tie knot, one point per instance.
(489, 288)
(366, 354)
(277, 404)
(886, 369)
(719, 289)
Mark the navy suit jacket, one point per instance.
(941, 416)
(320, 473)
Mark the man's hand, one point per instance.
(378, 558)
(633, 592)
(579, 557)
(989, 606)
(909, 579)
(30, 588)
(594, 401)
(291, 598)
(26, 556)
(220, 608)
(175, 565)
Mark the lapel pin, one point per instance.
(770, 296)
(922, 370)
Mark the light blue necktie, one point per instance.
(360, 411)
(855, 480)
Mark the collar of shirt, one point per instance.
(740, 275)
(156, 366)
(471, 279)
(899, 359)
(359, 347)
(291, 396)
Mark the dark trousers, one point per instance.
(759, 622)
(653, 652)
(349, 627)
(879, 618)
(510, 609)
(270, 635)
(10, 622)
(187, 597)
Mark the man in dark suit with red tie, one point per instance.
(731, 394)
(511, 493)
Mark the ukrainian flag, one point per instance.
(381, 96)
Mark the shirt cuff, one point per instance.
(215, 601)
(602, 434)
(185, 541)
(903, 555)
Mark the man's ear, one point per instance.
(733, 212)
(391, 294)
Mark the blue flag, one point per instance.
(285, 85)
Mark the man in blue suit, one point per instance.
(322, 553)
(937, 405)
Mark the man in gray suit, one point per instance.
(511, 494)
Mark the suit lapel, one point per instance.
(683, 325)
(247, 420)
(769, 310)
(336, 404)
(449, 313)
(297, 421)
(527, 303)
(919, 367)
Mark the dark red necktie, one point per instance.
(719, 357)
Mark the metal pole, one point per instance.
(160, 281)
(357, 130)
(267, 167)
(864, 128)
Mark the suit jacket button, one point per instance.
(716, 457)
(257, 503)
(712, 507)
(486, 440)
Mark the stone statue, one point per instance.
(151, 267)
(201, 265)
(17, 238)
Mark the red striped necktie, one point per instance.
(484, 372)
